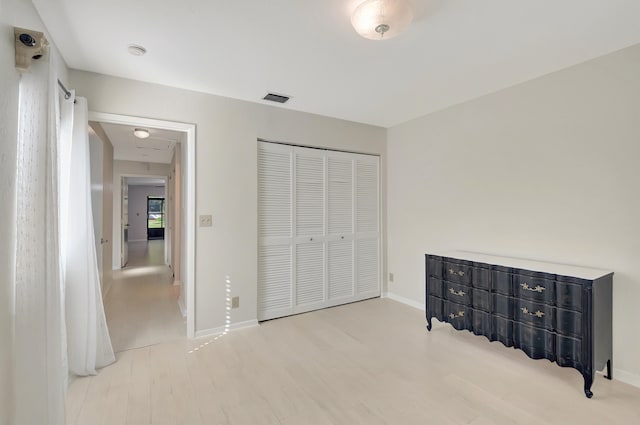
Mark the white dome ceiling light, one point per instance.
(382, 19)
(136, 50)
(141, 133)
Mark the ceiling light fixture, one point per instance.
(141, 133)
(381, 19)
(136, 50)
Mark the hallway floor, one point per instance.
(141, 306)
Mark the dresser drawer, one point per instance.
(569, 352)
(435, 287)
(502, 330)
(569, 322)
(457, 272)
(481, 323)
(503, 306)
(481, 277)
(456, 293)
(535, 314)
(458, 315)
(481, 300)
(436, 307)
(537, 343)
(502, 282)
(536, 288)
(435, 266)
(569, 295)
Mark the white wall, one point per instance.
(138, 210)
(226, 173)
(129, 169)
(107, 207)
(545, 170)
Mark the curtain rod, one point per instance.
(67, 93)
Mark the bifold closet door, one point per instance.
(340, 225)
(367, 204)
(275, 231)
(309, 219)
(319, 235)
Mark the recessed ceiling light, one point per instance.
(141, 133)
(136, 50)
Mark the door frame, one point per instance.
(189, 200)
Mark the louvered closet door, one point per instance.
(275, 231)
(318, 225)
(309, 219)
(340, 223)
(367, 226)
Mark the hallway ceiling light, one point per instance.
(136, 50)
(381, 19)
(141, 133)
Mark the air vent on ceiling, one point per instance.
(276, 97)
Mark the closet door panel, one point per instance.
(339, 194)
(309, 192)
(340, 269)
(310, 262)
(274, 281)
(367, 189)
(368, 265)
(274, 191)
(275, 231)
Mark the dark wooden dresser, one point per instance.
(557, 312)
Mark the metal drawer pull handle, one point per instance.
(459, 293)
(538, 288)
(455, 316)
(538, 313)
(459, 273)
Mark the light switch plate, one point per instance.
(206, 220)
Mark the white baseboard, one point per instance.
(626, 377)
(403, 300)
(233, 326)
(183, 308)
(138, 240)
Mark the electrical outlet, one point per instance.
(235, 302)
(206, 220)
(390, 277)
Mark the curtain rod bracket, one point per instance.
(67, 93)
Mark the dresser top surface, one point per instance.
(519, 263)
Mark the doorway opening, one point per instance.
(168, 219)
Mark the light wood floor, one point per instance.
(369, 363)
(141, 306)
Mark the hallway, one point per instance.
(142, 306)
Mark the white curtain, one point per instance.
(60, 325)
(89, 344)
(39, 367)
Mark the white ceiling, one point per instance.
(454, 51)
(158, 147)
